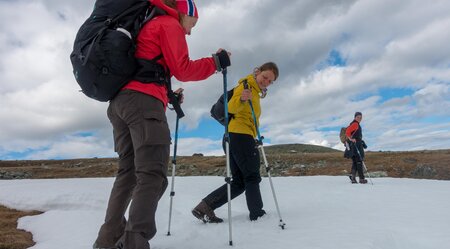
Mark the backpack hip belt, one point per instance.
(150, 71)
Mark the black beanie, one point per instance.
(358, 114)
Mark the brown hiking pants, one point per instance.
(142, 140)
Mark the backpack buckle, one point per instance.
(108, 22)
(81, 57)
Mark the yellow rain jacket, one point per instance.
(243, 120)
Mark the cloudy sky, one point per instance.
(387, 59)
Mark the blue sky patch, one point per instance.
(391, 93)
(435, 120)
(385, 94)
(334, 59)
(208, 128)
(20, 155)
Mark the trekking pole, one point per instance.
(227, 151)
(174, 165)
(261, 147)
(180, 114)
(281, 223)
(360, 158)
(367, 171)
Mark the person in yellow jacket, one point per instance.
(244, 154)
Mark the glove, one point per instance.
(175, 99)
(222, 60)
(364, 145)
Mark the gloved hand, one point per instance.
(179, 95)
(176, 98)
(364, 145)
(222, 60)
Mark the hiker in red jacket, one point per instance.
(356, 145)
(141, 132)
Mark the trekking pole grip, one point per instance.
(175, 101)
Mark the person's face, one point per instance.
(358, 118)
(264, 78)
(188, 22)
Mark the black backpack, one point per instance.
(218, 109)
(103, 53)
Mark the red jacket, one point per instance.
(165, 35)
(354, 126)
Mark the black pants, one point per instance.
(244, 165)
(357, 159)
(357, 167)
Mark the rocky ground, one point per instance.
(284, 160)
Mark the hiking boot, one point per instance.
(204, 213)
(353, 179)
(255, 216)
(362, 181)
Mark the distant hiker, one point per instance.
(141, 132)
(244, 154)
(356, 148)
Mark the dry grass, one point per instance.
(10, 236)
(395, 164)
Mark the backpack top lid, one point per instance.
(111, 8)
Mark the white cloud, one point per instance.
(385, 45)
(75, 147)
(189, 146)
